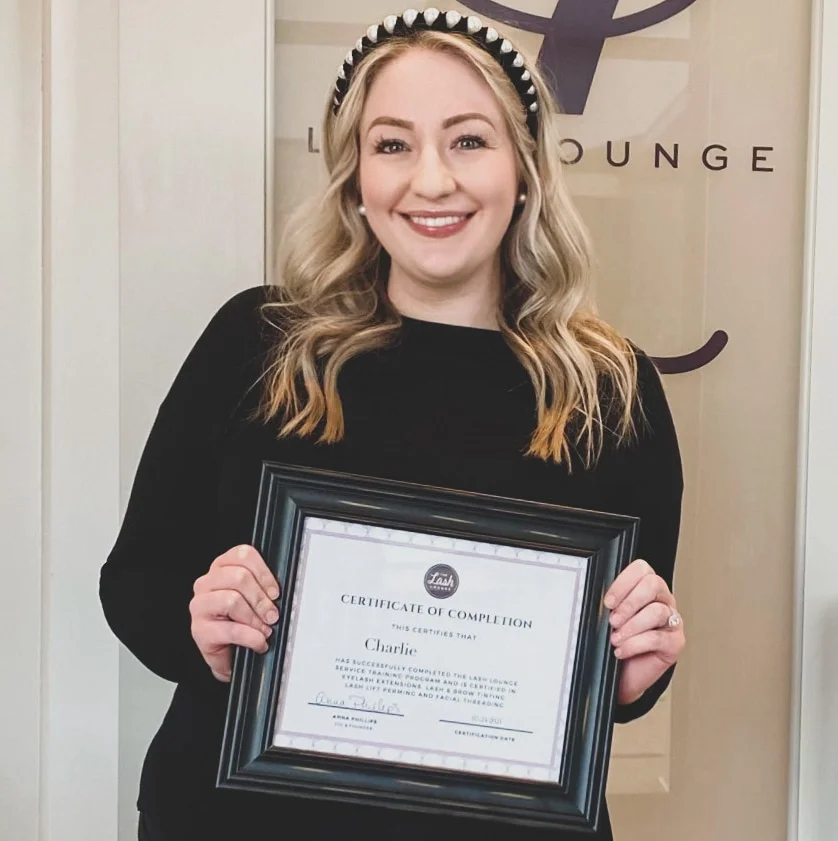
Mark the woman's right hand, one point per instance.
(233, 605)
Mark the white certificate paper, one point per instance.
(423, 650)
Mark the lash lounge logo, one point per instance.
(441, 581)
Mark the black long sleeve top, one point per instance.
(448, 406)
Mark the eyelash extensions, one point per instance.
(382, 143)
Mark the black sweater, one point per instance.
(447, 406)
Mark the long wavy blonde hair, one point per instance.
(331, 302)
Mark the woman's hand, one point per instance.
(648, 633)
(233, 605)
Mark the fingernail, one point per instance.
(273, 592)
(268, 632)
(610, 601)
(616, 639)
(618, 653)
(272, 616)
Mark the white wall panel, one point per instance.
(81, 411)
(20, 417)
(192, 213)
(814, 816)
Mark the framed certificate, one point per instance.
(436, 650)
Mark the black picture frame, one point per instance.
(573, 801)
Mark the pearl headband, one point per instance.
(411, 21)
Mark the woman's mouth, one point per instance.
(437, 225)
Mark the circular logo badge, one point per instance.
(441, 581)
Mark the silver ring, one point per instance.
(674, 620)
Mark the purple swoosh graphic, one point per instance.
(604, 10)
(512, 17)
(695, 360)
(648, 17)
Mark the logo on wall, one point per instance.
(574, 38)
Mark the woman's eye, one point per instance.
(471, 142)
(389, 147)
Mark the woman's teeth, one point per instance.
(437, 221)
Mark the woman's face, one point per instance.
(438, 171)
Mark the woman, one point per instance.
(432, 325)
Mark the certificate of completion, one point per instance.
(420, 649)
(437, 650)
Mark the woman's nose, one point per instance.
(432, 177)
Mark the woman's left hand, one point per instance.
(648, 632)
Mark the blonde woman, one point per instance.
(431, 323)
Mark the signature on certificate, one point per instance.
(357, 702)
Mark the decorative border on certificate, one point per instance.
(491, 730)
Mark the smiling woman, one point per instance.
(439, 188)
(444, 123)
(433, 323)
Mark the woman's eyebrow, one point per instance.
(390, 121)
(409, 126)
(462, 118)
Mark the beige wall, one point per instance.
(683, 252)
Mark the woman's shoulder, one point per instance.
(233, 343)
(242, 308)
(649, 379)
(246, 319)
(648, 407)
(654, 420)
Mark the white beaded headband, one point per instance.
(411, 21)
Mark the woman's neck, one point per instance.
(473, 304)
